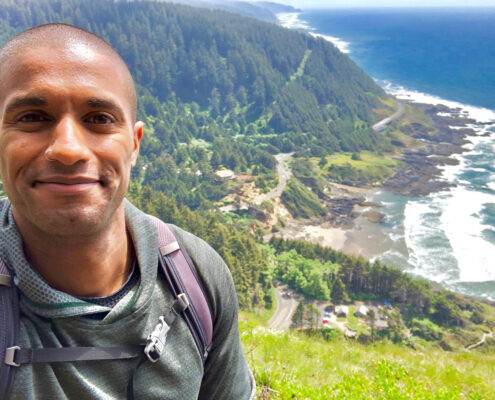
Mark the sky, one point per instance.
(385, 3)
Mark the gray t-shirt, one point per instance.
(50, 318)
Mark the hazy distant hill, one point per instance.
(241, 7)
(263, 10)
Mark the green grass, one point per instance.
(367, 167)
(258, 317)
(352, 320)
(367, 160)
(291, 365)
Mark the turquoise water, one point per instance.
(432, 56)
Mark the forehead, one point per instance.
(72, 69)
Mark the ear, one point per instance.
(138, 134)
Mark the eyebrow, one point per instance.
(99, 103)
(28, 101)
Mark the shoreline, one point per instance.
(431, 181)
(364, 237)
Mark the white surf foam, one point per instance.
(292, 21)
(460, 221)
(342, 45)
(479, 114)
(428, 253)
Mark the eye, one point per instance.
(32, 117)
(99, 119)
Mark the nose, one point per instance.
(68, 143)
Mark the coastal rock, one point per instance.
(342, 212)
(418, 176)
(375, 217)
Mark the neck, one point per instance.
(95, 265)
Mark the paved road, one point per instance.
(381, 125)
(483, 339)
(286, 305)
(284, 175)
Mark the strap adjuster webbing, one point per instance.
(16, 356)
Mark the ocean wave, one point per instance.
(395, 237)
(460, 221)
(292, 21)
(342, 45)
(479, 114)
(430, 255)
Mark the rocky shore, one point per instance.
(418, 175)
(421, 168)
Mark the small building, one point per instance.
(350, 333)
(341, 311)
(361, 311)
(381, 325)
(225, 173)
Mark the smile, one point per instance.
(64, 185)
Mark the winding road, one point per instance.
(483, 340)
(287, 301)
(286, 305)
(284, 175)
(381, 125)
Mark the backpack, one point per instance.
(190, 301)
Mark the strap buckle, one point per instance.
(156, 340)
(10, 356)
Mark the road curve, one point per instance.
(483, 340)
(286, 305)
(284, 175)
(381, 125)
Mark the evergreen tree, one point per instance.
(339, 293)
(298, 316)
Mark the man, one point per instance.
(83, 258)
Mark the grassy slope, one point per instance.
(291, 365)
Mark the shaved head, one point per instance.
(70, 39)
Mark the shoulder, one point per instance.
(212, 269)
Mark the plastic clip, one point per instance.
(10, 356)
(156, 340)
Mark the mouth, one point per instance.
(66, 184)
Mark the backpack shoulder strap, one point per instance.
(182, 276)
(9, 327)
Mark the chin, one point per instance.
(80, 221)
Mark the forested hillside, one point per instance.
(220, 90)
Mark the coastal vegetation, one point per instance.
(297, 365)
(302, 202)
(358, 169)
(221, 92)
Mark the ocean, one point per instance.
(432, 56)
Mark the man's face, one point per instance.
(67, 140)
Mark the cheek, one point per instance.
(15, 155)
(116, 154)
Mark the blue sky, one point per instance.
(385, 3)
